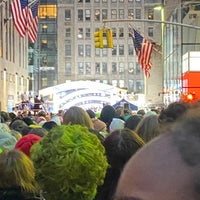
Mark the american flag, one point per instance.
(33, 22)
(143, 50)
(19, 11)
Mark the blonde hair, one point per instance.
(17, 170)
(77, 115)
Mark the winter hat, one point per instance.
(18, 125)
(7, 141)
(90, 113)
(116, 124)
(4, 128)
(98, 125)
(28, 120)
(26, 142)
(49, 125)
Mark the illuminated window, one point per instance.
(121, 67)
(80, 33)
(150, 14)
(130, 13)
(47, 11)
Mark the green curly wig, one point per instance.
(70, 163)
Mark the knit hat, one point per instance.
(98, 124)
(26, 142)
(7, 141)
(49, 125)
(90, 113)
(116, 124)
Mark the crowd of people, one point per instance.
(118, 154)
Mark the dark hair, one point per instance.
(186, 136)
(120, 145)
(133, 121)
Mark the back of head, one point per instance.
(116, 124)
(107, 114)
(17, 171)
(133, 121)
(72, 160)
(77, 115)
(120, 145)
(148, 128)
(177, 154)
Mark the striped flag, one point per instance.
(143, 50)
(33, 22)
(19, 11)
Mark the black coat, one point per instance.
(16, 194)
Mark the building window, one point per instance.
(130, 13)
(87, 1)
(80, 15)
(97, 52)
(114, 50)
(80, 33)
(80, 1)
(67, 15)
(139, 87)
(150, 14)
(114, 1)
(138, 68)
(104, 14)
(87, 15)
(121, 67)
(104, 1)
(121, 50)
(114, 32)
(68, 68)
(104, 51)
(130, 50)
(88, 50)
(87, 32)
(130, 68)
(121, 32)
(121, 1)
(88, 68)
(97, 68)
(114, 83)
(97, 1)
(67, 50)
(137, 13)
(114, 67)
(104, 68)
(80, 50)
(121, 83)
(97, 15)
(130, 0)
(150, 31)
(121, 13)
(68, 32)
(114, 14)
(80, 68)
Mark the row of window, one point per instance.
(102, 68)
(102, 14)
(105, 1)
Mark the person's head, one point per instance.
(17, 171)
(167, 168)
(77, 115)
(116, 124)
(148, 128)
(133, 121)
(107, 114)
(120, 145)
(70, 163)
